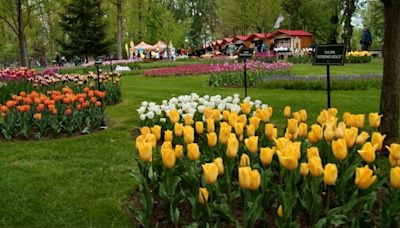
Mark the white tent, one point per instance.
(145, 46)
(160, 45)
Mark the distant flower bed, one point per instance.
(358, 57)
(197, 69)
(11, 74)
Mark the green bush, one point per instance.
(300, 59)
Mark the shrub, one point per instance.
(358, 57)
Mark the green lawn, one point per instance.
(83, 181)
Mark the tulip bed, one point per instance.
(358, 57)
(219, 161)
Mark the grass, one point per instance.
(83, 181)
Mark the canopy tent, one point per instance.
(145, 46)
(160, 45)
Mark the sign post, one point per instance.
(245, 54)
(98, 62)
(327, 55)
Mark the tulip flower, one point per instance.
(150, 138)
(179, 151)
(225, 115)
(349, 119)
(239, 128)
(212, 139)
(166, 145)
(296, 116)
(255, 178)
(374, 120)
(359, 120)
(178, 129)
(269, 130)
(220, 165)
(232, 147)
(330, 174)
(216, 115)
(332, 111)
(208, 113)
(244, 177)
(312, 152)
(280, 211)
(367, 152)
(210, 171)
(362, 138)
(252, 144)
(266, 155)
(364, 177)
(255, 121)
(203, 195)
(168, 136)
(188, 120)
(144, 131)
(317, 131)
(233, 118)
(292, 126)
(251, 130)
(145, 151)
(270, 111)
(244, 160)
(339, 149)
(168, 158)
(287, 111)
(156, 130)
(315, 165)
(173, 116)
(193, 151)
(395, 177)
(328, 134)
(394, 150)
(303, 115)
(210, 125)
(224, 133)
(304, 169)
(263, 115)
(350, 136)
(246, 108)
(188, 134)
(199, 127)
(242, 118)
(302, 130)
(393, 162)
(377, 140)
(281, 143)
(339, 132)
(288, 160)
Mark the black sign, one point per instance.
(246, 53)
(330, 54)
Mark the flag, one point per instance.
(279, 21)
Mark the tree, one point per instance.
(292, 10)
(349, 9)
(391, 71)
(373, 18)
(16, 14)
(119, 29)
(85, 29)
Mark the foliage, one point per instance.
(296, 59)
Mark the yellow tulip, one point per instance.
(244, 160)
(242, 118)
(281, 143)
(216, 115)
(210, 171)
(394, 150)
(270, 111)
(269, 130)
(188, 134)
(225, 115)
(395, 177)
(280, 211)
(166, 145)
(233, 118)
(393, 162)
(203, 195)
(330, 174)
(377, 140)
(168, 136)
(179, 151)
(339, 132)
(239, 126)
(252, 144)
(246, 108)
(296, 116)
(312, 152)
(331, 122)
(323, 116)
(156, 130)
(266, 155)
(244, 177)
(292, 126)
(262, 114)
(173, 116)
(374, 120)
(348, 119)
(232, 147)
(145, 151)
(328, 134)
(193, 151)
(168, 158)
(339, 149)
(364, 177)
(274, 133)
(350, 135)
(302, 130)
(359, 120)
(362, 138)
(287, 160)
(332, 111)
(151, 138)
(144, 131)
(220, 165)
(255, 121)
(224, 133)
(303, 115)
(287, 111)
(255, 179)
(251, 130)
(199, 127)
(210, 125)
(188, 120)
(367, 152)
(315, 165)
(304, 169)
(208, 113)
(139, 139)
(317, 130)
(178, 129)
(212, 139)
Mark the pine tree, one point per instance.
(85, 29)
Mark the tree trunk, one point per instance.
(391, 72)
(140, 18)
(119, 29)
(23, 50)
(348, 28)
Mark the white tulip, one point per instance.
(150, 115)
(163, 120)
(144, 103)
(221, 107)
(200, 108)
(141, 110)
(142, 117)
